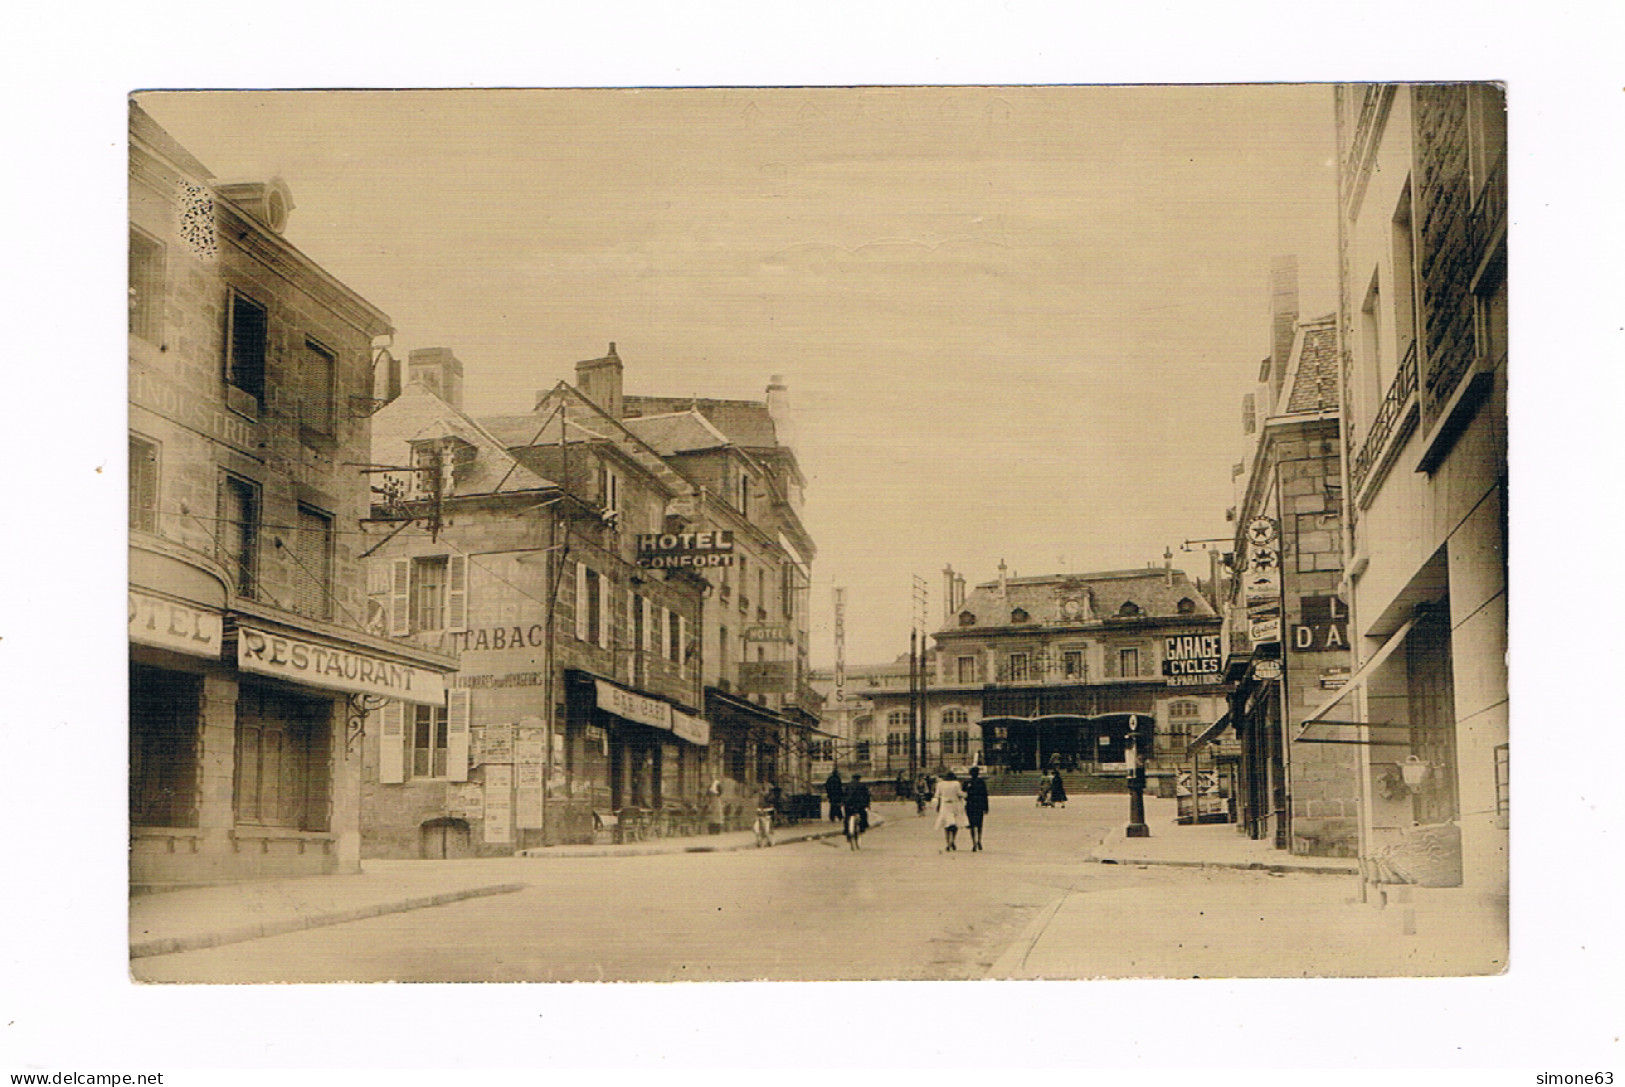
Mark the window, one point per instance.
(1186, 605)
(722, 652)
(146, 287)
(897, 719)
(1374, 378)
(317, 374)
(967, 619)
(429, 742)
(429, 593)
(896, 744)
(954, 717)
(239, 532)
(1072, 666)
(1018, 670)
(1129, 609)
(744, 493)
(313, 557)
(282, 758)
(164, 709)
(1019, 616)
(967, 669)
(1490, 315)
(1128, 662)
(609, 489)
(245, 346)
(861, 751)
(761, 590)
(956, 742)
(143, 485)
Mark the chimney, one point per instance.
(948, 606)
(437, 369)
(600, 381)
(1168, 566)
(959, 592)
(778, 409)
(1004, 582)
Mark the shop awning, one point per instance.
(1329, 731)
(1209, 734)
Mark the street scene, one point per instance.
(818, 534)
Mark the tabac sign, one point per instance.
(676, 550)
(337, 668)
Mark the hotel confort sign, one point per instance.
(676, 550)
(338, 668)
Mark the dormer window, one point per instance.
(1018, 616)
(1186, 605)
(967, 619)
(1129, 610)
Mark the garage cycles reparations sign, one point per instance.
(1192, 659)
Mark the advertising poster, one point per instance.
(498, 804)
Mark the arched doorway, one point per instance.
(444, 839)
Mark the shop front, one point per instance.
(243, 740)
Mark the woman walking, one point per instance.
(975, 806)
(950, 798)
(1057, 788)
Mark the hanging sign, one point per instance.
(675, 550)
(769, 632)
(319, 664)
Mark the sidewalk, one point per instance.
(1207, 845)
(188, 919)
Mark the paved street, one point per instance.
(900, 908)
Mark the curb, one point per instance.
(546, 853)
(1239, 866)
(172, 944)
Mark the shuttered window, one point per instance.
(583, 610)
(239, 529)
(146, 287)
(143, 485)
(317, 376)
(392, 744)
(313, 562)
(245, 346)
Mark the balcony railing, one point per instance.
(1400, 394)
(1490, 208)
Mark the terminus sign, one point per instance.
(673, 550)
(1192, 659)
(335, 668)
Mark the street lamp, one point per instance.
(1137, 736)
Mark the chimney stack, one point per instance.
(778, 409)
(1283, 323)
(948, 605)
(437, 369)
(599, 380)
(1004, 582)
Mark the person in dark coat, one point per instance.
(975, 806)
(1057, 788)
(856, 802)
(834, 790)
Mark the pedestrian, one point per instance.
(950, 800)
(1057, 788)
(716, 809)
(833, 789)
(855, 800)
(765, 806)
(922, 794)
(975, 806)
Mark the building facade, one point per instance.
(1287, 638)
(1423, 321)
(252, 675)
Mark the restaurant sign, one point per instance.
(677, 550)
(340, 669)
(652, 712)
(168, 625)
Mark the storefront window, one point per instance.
(282, 758)
(164, 708)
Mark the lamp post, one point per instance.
(1137, 734)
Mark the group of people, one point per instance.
(957, 805)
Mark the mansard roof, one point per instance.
(1155, 591)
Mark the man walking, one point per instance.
(834, 790)
(975, 806)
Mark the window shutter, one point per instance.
(459, 703)
(400, 598)
(583, 619)
(605, 614)
(682, 641)
(457, 593)
(392, 743)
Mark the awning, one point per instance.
(644, 710)
(1209, 734)
(1318, 717)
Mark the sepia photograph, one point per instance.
(870, 533)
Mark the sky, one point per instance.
(1015, 322)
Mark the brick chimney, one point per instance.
(600, 381)
(439, 371)
(1283, 323)
(778, 409)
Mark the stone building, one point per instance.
(1020, 664)
(1423, 320)
(512, 545)
(251, 674)
(1287, 631)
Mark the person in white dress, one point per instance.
(950, 801)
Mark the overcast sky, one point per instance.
(1015, 322)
